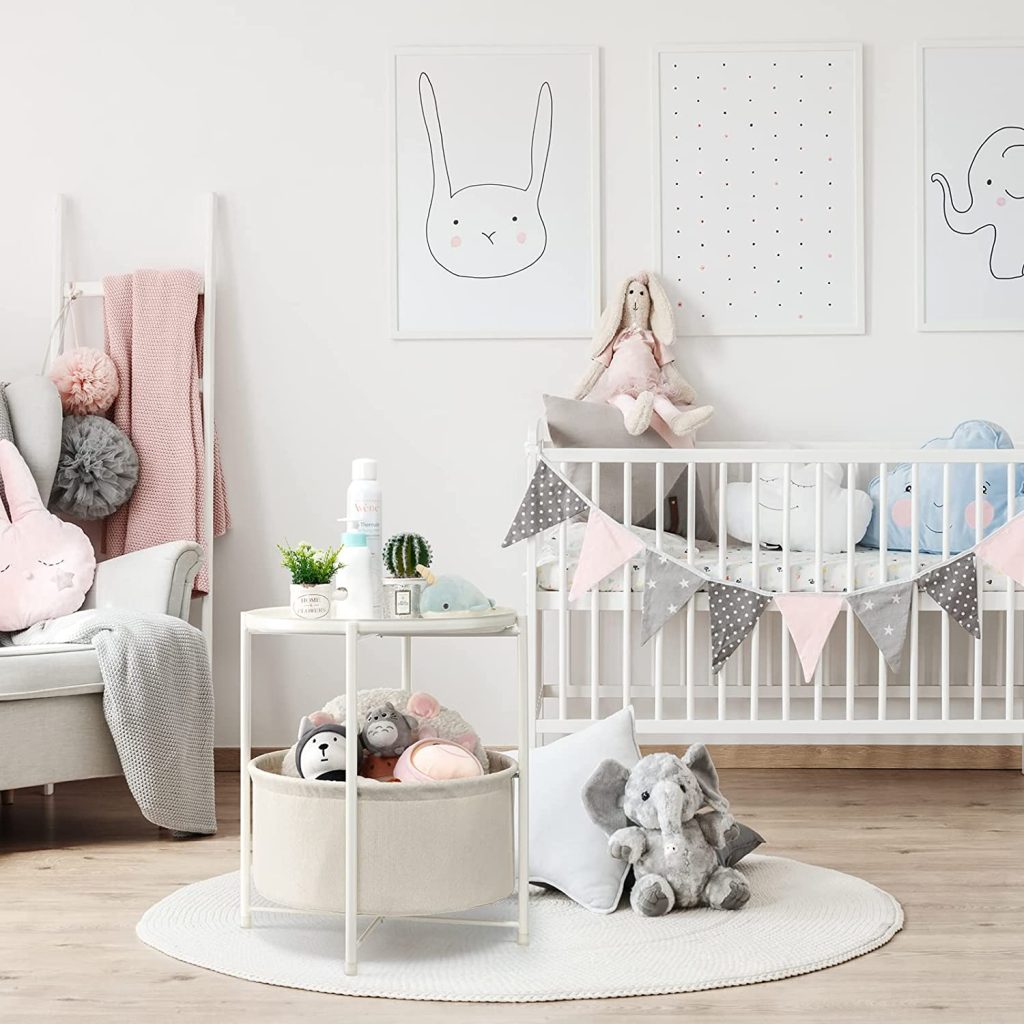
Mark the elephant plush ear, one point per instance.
(602, 795)
(698, 760)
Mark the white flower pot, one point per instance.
(311, 600)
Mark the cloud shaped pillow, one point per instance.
(738, 499)
(963, 512)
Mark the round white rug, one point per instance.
(800, 918)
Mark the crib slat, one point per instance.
(723, 472)
(1011, 619)
(787, 488)
(755, 563)
(691, 610)
(883, 558)
(851, 636)
(944, 676)
(595, 608)
(915, 598)
(819, 514)
(659, 536)
(979, 530)
(627, 588)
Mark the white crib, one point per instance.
(585, 659)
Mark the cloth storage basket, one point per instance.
(424, 848)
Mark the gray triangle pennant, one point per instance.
(548, 501)
(668, 587)
(885, 613)
(734, 613)
(954, 587)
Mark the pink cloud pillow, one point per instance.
(46, 565)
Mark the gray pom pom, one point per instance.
(98, 468)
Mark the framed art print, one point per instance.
(496, 192)
(759, 201)
(970, 187)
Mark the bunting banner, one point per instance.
(954, 587)
(885, 613)
(734, 613)
(607, 546)
(548, 501)
(668, 587)
(809, 619)
(883, 610)
(1004, 550)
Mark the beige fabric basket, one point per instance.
(424, 848)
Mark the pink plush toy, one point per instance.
(46, 565)
(633, 364)
(435, 760)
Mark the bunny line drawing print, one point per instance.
(995, 199)
(485, 229)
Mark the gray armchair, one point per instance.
(55, 691)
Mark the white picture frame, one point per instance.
(960, 286)
(846, 314)
(535, 289)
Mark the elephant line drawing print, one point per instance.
(995, 189)
(488, 229)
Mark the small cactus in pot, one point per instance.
(403, 553)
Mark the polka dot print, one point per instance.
(734, 613)
(954, 587)
(759, 167)
(549, 500)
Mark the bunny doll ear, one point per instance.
(611, 320)
(663, 324)
(19, 484)
(698, 760)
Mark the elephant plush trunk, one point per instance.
(668, 802)
(959, 220)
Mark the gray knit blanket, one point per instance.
(158, 702)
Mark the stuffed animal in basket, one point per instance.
(650, 815)
(633, 364)
(320, 750)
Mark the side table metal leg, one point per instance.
(407, 664)
(523, 701)
(245, 753)
(351, 799)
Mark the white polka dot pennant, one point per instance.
(734, 613)
(548, 501)
(954, 587)
(668, 587)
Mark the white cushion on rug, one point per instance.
(567, 850)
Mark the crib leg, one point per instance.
(48, 789)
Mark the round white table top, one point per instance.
(282, 621)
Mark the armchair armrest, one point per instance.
(157, 579)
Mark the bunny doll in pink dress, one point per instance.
(633, 365)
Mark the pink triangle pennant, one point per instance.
(1004, 550)
(606, 547)
(809, 619)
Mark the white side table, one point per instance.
(280, 622)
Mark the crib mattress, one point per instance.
(739, 566)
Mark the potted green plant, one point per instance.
(404, 555)
(312, 572)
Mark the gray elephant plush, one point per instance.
(650, 815)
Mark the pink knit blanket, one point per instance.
(153, 330)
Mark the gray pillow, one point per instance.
(36, 417)
(573, 424)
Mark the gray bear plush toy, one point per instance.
(387, 731)
(650, 815)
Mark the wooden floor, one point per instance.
(78, 869)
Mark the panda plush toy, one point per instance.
(320, 751)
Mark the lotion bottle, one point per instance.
(357, 584)
(364, 504)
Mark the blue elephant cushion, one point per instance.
(963, 511)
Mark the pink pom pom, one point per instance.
(422, 705)
(86, 379)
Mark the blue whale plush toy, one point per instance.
(963, 513)
(451, 595)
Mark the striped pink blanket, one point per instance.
(153, 330)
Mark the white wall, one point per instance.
(135, 109)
